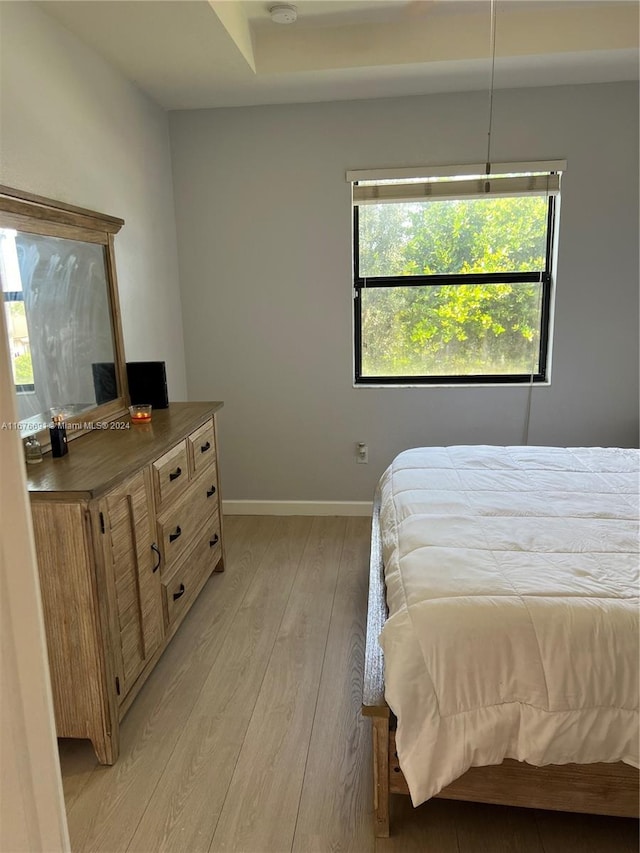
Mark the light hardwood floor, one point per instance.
(248, 734)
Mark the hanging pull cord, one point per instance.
(487, 189)
(492, 51)
(527, 416)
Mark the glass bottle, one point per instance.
(32, 450)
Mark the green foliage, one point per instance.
(23, 369)
(452, 330)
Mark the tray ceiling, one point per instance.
(213, 53)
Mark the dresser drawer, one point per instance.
(181, 586)
(181, 524)
(202, 448)
(171, 474)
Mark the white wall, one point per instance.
(74, 129)
(264, 234)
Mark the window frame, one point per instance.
(544, 277)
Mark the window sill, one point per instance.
(426, 386)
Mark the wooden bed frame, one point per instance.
(609, 789)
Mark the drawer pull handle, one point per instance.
(154, 548)
(179, 593)
(176, 535)
(175, 474)
(205, 447)
(214, 541)
(211, 491)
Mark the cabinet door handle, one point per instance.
(154, 548)
(205, 447)
(211, 491)
(175, 474)
(214, 541)
(176, 535)
(179, 593)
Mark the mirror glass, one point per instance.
(58, 315)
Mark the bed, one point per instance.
(501, 660)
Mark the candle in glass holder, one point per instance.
(58, 436)
(140, 414)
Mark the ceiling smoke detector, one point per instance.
(283, 13)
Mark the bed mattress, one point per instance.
(512, 585)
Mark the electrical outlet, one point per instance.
(362, 453)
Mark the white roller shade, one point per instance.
(478, 187)
(456, 170)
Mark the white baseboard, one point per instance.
(359, 508)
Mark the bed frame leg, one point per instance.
(381, 776)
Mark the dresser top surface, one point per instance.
(98, 461)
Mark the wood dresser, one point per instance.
(127, 528)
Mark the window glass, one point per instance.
(453, 237)
(18, 334)
(475, 329)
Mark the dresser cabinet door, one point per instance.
(202, 448)
(136, 591)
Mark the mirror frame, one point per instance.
(38, 215)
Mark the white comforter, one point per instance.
(512, 585)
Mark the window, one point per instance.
(15, 315)
(453, 274)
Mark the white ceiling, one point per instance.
(212, 53)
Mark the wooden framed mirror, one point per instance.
(60, 302)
